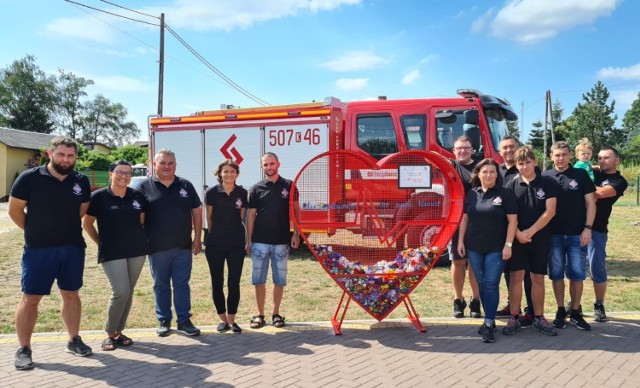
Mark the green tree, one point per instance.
(631, 119)
(130, 153)
(70, 109)
(595, 119)
(27, 97)
(106, 123)
(536, 135)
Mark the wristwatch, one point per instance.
(587, 226)
(508, 244)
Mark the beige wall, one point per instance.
(102, 149)
(13, 161)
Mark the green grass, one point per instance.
(311, 295)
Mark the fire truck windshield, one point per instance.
(497, 126)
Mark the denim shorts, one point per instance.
(41, 266)
(567, 257)
(260, 256)
(596, 252)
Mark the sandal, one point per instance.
(278, 320)
(109, 344)
(123, 340)
(257, 321)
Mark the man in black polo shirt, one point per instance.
(173, 208)
(464, 164)
(269, 237)
(536, 198)
(55, 197)
(570, 231)
(610, 186)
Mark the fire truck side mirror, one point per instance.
(471, 116)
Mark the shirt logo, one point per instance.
(183, 193)
(136, 205)
(540, 194)
(285, 193)
(573, 185)
(238, 203)
(77, 190)
(497, 201)
(604, 183)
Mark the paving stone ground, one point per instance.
(368, 354)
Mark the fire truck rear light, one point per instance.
(293, 113)
(230, 117)
(175, 119)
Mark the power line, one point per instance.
(216, 70)
(110, 13)
(130, 10)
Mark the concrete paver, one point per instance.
(391, 353)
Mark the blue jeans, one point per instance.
(168, 267)
(261, 254)
(488, 269)
(597, 252)
(567, 257)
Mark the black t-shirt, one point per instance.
(168, 218)
(465, 171)
(571, 210)
(53, 207)
(605, 205)
(271, 200)
(487, 215)
(532, 199)
(121, 235)
(226, 229)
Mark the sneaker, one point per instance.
(235, 328)
(526, 320)
(78, 348)
(544, 326)
(487, 333)
(598, 313)
(577, 320)
(474, 308)
(568, 307)
(222, 327)
(23, 359)
(561, 318)
(493, 326)
(164, 329)
(512, 326)
(458, 308)
(187, 328)
(505, 312)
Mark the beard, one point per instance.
(62, 170)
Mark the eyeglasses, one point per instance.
(123, 173)
(462, 148)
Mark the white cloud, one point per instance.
(631, 72)
(357, 60)
(122, 84)
(84, 28)
(481, 23)
(411, 77)
(624, 98)
(530, 21)
(350, 84)
(429, 58)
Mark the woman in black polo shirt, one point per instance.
(226, 205)
(122, 245)
(487, 230)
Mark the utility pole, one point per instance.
(544, 136)
(161, 66)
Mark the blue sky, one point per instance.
(290, 51)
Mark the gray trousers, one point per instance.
(123, 275)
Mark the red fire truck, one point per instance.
(298, 132)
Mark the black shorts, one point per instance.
(533, 256)
(454, 248)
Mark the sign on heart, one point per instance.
(377, 227)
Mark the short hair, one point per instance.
(165, 152)
(524, 153)
(475, 180)
(615, 151)
(510, 137)
(463, 139)
(64, 141)
(270, 154)
(117, 163)
(559, 145)
(228, 162)
(584, 144)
